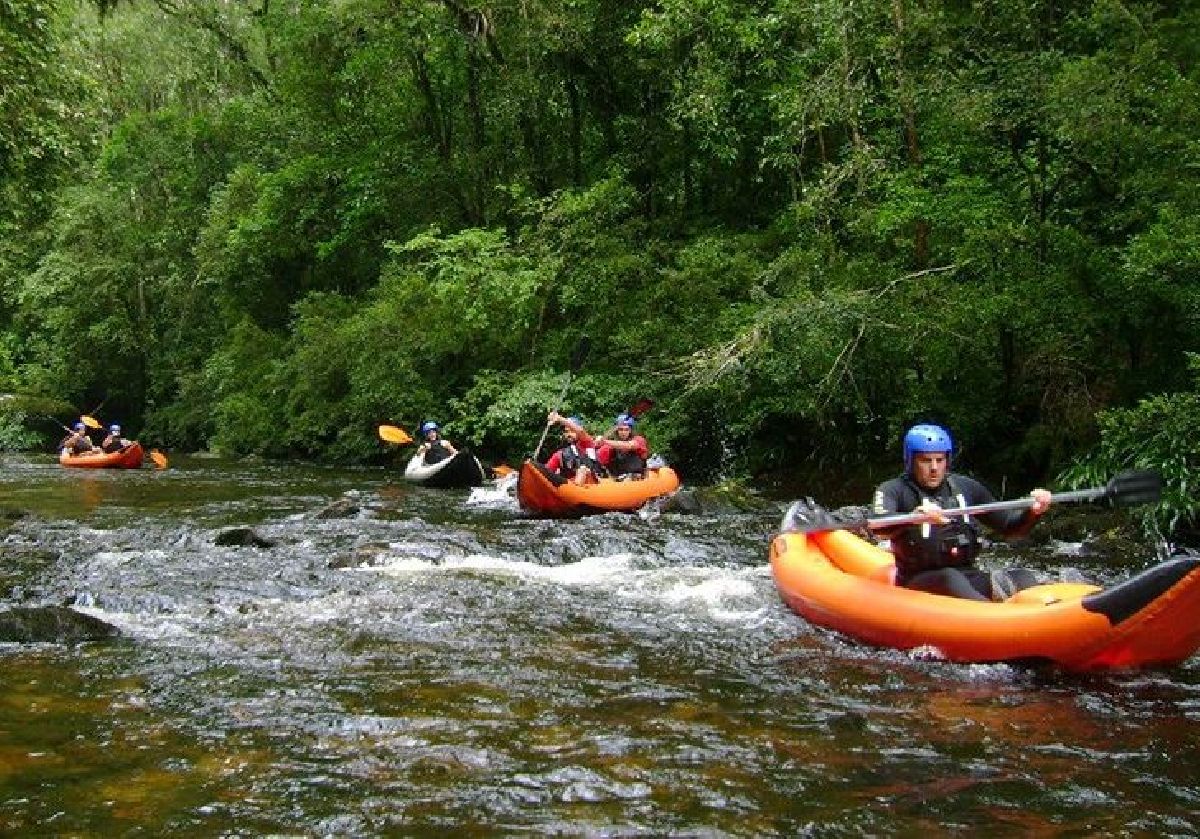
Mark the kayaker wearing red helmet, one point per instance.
(939, 554)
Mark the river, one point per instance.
(431, 663)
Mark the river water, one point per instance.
(431, 663)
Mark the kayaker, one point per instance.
(114, 442)
(939, 554)
(77, 441)
(435, 448)
(625, 455)
(577, 460)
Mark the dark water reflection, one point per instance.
(436, 664)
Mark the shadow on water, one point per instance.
(424, 662)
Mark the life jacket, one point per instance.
(626, 462)
(436, 453)
(572, 457)
(927, 546)
(78, 444)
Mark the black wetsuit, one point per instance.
(940, 558)
(436, 453)
(626, 462)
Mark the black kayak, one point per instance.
(461, 470)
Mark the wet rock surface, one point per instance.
(54, 624)
(242, 537)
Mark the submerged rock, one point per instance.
(727, 497)
(56, 624)
(10, 516)
(241, 537)
(361, 556)
(683, 501)
(343, 508)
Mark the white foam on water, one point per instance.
(727, 595)
(586, 572)
(500, 494)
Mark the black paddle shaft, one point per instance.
(1126, 489)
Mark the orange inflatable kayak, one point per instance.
(128, 458)
(837, 580)
(545, 493)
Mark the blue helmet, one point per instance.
(114, 429)
(79, 426)
(926, 438)
(575, 421)
(625, 419)
(426, 427)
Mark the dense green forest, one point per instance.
(265, 226)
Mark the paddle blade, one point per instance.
(160, 459)
(90, 422)
(393, 434)
(807, 516)
(502, 469)
(1135, 486)
(640, 407)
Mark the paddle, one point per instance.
(1128, 488)
(394, 434)
(581, 350)
(635, 410)
(160, 459)
(640, 407)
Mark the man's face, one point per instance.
(624, 432)
(929, 468)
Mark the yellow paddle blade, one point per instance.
(392, 434)
(90, 422)
(160, 459)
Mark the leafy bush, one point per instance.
(1160, 433)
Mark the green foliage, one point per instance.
(30, 422)
(1159, 433)
(245, 391)
(797, 225)
(505, 413)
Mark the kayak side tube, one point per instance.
(839, 581)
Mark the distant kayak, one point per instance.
(545, 493)
(461, 470)
(837, 580)
(128, 458)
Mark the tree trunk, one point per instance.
(912, 144)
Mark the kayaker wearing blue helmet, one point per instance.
(939, 554)
(434, 448)
(114, 442)
(77, 441)
(624, 456)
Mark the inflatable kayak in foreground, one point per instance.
(837, 580)
(545, 493)
(461, 470)
(128, 458)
